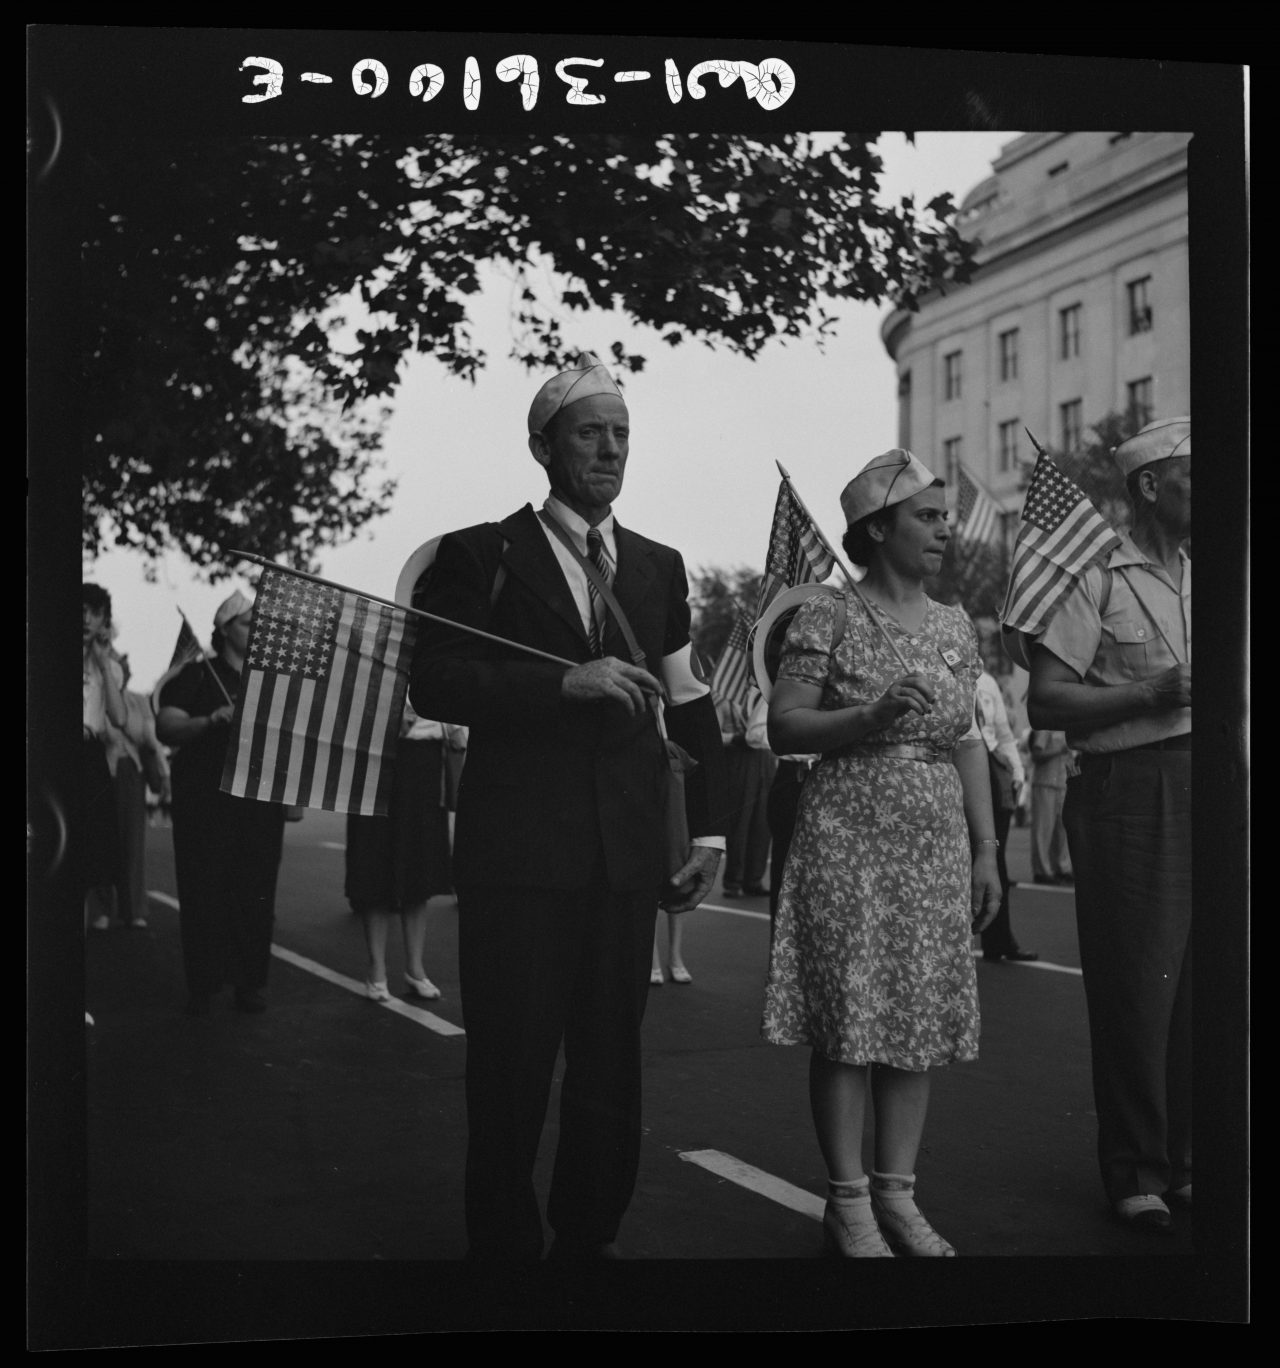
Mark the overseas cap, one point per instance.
(231, 608)
(884, 481)
(1156, 442)
(588, 377)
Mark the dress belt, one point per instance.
(930, 755)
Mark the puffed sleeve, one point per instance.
(806, 655)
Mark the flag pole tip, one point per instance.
(782, 468)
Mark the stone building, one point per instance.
(1078, 308)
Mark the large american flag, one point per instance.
(321, 697)
(977, 514)
(1061, 534)
(798, 554)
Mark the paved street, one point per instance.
(320, 1145)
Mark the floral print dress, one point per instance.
(872, 958)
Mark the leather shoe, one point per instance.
(1179, 1196)
(1145, 1212)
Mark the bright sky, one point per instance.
(706, 430)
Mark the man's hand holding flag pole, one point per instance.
(323, 690)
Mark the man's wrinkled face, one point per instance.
(585, 453)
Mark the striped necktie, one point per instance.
(595, 550)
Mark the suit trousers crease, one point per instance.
(541, 968)
(1128, 820)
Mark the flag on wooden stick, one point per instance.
(977, 514)
(321, 697)
(1061, 534)
(188, 647)
(732, 674)
(186, 650)
(798, 553)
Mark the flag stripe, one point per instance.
(1061, 534)
(323, 694)
(797, 554)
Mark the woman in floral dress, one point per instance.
(893, 864)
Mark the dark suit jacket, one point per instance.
(550, 789)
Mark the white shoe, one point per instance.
(102, 923)
(656, 977)
(903, 1223)
(377, 992)
(422, 987)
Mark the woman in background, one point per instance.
(226, 849)
(396, 863)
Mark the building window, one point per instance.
(1141, 407)
(951, 457)
(951, 375)
(1069, 332)
(1139, 305)
(1009, 445)
(1009, 354)
(1072, 416)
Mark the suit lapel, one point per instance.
(632, 585)
(530, 558)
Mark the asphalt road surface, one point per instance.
(299, 1173)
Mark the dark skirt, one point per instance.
(399, 861)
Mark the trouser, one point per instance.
(227, 860)
(749, 773)
(539, 969)
(1128, 820)
(998, 938)
(1049, 857)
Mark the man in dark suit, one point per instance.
(560, 852)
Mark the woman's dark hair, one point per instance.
(858, 543)
(216, 641)
(96, 599)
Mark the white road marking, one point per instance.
(732, 911)
(405, 1009)
(1048, 888)
(757, 1180)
